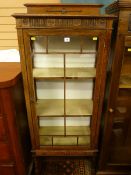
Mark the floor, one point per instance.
(66, 166)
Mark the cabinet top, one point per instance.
(62, 10)
(9, 74)
(66, 9)
(60, 16)
(61, 4)
(116, 6)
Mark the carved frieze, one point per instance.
(95, 23)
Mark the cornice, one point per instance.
(59, 21)
(117, 6)
(61, 4)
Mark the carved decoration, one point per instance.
(65, 23)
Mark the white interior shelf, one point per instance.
(59, 130)
(56, 107)
(40, 73)
(64, 140)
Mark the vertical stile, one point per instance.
(94, 81)
(77, 140)
(47, 45)
(81, 41)
(32, 39)
(64, 95)
(52, 140)
(33, 98)
(32, 81)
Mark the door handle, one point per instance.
(111, 110)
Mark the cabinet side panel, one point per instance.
(13, 139)
(25, 82)
(22, 122)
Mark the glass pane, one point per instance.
(78, 126)
(51, 121)
(50, 126)
(80, 73)
(80, 65)
(64, 141)
(48, 61)
(51, 130)
(80, 89)
(89, 44)
(83, 140)
(77, 130)
(48, 65)
(45, 140)
(39, 43)
(48, 107)
(50, 98)
(64, 44)
(125, 78)
(80, 60)
(79, 96)
(64, 122)
(50, 89)
(78, 121)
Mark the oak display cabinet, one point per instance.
(64, 52)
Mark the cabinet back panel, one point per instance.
(55, 89)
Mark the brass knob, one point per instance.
(111, 110)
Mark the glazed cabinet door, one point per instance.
(117, 140)
(64, 73)
(121, 131)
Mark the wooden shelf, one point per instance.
(50, 107)
(51, 130)
(125, 81)
(64, 140)
(59, 141)
(59, 130)
(84, 140)
(80, 72)
(79, 107)
(78, 130)
(75, 107)
(45, 140)
(48, 73)
(41, 73)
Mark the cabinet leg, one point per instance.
(93, 166)
(38, 165)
